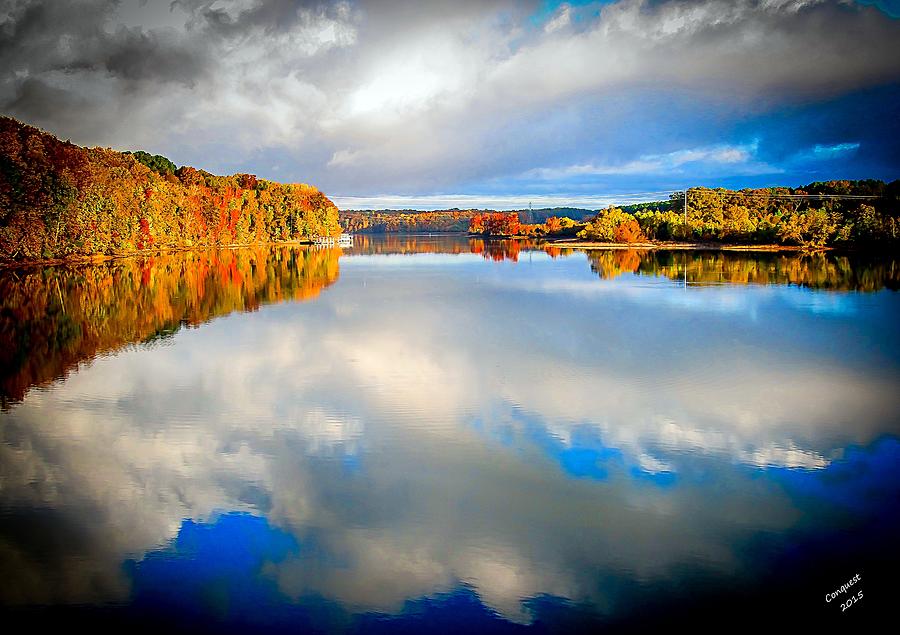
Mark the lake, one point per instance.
(449, 435)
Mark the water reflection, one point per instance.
(54, 318)
(817, 271)
(486, 444)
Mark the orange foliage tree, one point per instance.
(628, 232)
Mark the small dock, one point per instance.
(344, 240)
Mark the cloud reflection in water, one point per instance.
(441, 430)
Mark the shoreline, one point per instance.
(674, 245)
(682, 246)
(94, 259)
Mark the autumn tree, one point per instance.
(612, 225)
(628, 231)
(811, 229)
(495, 224)
(57, 199)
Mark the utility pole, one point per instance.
(685, 235)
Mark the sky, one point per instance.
(495, 103)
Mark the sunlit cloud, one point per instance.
(838, 149)
(821, 152)
(723, 159)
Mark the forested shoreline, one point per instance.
(859, 215)
(59, 200)
(835, 214)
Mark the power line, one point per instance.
(800, 196)
(741, 194)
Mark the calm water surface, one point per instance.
(449, 435)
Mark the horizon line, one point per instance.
(434, 202)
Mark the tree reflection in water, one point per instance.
(54, 318)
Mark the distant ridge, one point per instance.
(445, 220)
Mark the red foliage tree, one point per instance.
(495, 224)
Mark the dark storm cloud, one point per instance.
(104, 71)
(137, 55)
(269, 17)
(44, 102)
(69, 67)
(44, 37)
(34, 35)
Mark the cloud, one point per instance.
(560, 20)
(414, 98)
(823, 153)
(727, 159)
(200, 69)
(345, 157)
(748, 47)
(835, 150)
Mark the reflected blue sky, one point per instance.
(446, 439)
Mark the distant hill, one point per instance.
(58, 199)
(538, 216)
(447, 220)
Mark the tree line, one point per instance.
(823, 214)
(405, 221)
(447, 220)
(58, 199)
